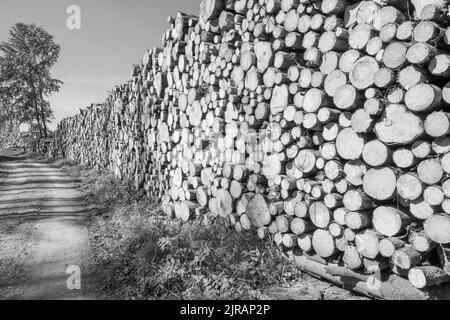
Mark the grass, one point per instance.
(142, 254)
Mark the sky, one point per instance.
(114, 35)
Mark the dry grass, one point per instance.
(142, 254)
(13, 247)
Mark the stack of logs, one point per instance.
(323, 125)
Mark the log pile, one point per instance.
(323, 125)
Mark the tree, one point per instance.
(26, 59)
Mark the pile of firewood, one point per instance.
(321, 124)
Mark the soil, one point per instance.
(42, 232)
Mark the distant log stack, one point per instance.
(324, 125)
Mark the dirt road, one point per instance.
(42, 232)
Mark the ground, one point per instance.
(55, 215)
(42, 230)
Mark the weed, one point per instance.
(142, 254)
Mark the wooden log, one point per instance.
(421, 209)
(283, 223)
(333, 41)
(279, 99)
(388, 246)
(360, 36)
(271, 166)
(384, 78)
(446, 188)
(444, 258)
(264, 55)
(390, 221)
(341, 244)
(333, 81)
(258, 211)
(427, 276)
(300, 226)
(376, 154)
(374, 106)
(398, 126)
(323, 243)
(346, 97)
(305, 242)
(388, 32)
(440, 65)
(405, 31)
(263, 233)
(314, 99)
(362, 122)
(434, 196)
(409, 186)
(441, 145)
(349, 144)
(404, 158)
(354, 173)
(423, 98)
(320, 215)
(301, 209)
(374, 266)
(306, 161)
(333, 170)
(426, 31)
(395, 95)
(421, 149)
(420, 242)
(362, 75)
(420, 53)
(387, 15)
(336, 230)
(333, 7)
(446, 206)
(411, 76)
(289, 240)
(366, 12)
(185, 210)
(339, 216)
(406, 258)
(374, 46)
(367, 244)
(394, 55)
(393, 288)
(224, 203)
(437, 228)
(430, 171)
(380, 183)
(357, 220)
(437, 124)
(349, 235)
(348, 59)
(210, 9)
(352, 258)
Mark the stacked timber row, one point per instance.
(324, 125)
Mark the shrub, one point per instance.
(142, 254)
